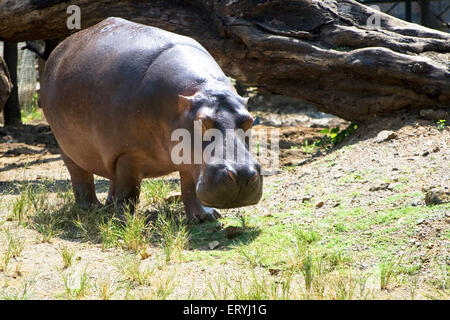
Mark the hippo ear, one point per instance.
(244, 101)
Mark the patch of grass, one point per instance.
(30, 113)
(67, 256)
(254, 256)
(75, 287)
(343, 286)
(133, 234)
(220, 289)
(59, 216)
(14, 244)
(19, 210)
(305, 237)
(332, 137)
(388, 270)
(309, 267)
(171, 229)
(13, 247)
(262, 288)
(46, 224)
(23, 293)
(163, 287)
(441, 271)
(441, 124)
(309, 147)
(135, 271)
(156, 190)
(335, 136)
(106, 287)
(351, 178)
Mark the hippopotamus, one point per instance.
(114, 93)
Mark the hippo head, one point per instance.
(226, 174)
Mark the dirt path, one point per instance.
(359, 208)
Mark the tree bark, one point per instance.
(322, 51)
(11, 112)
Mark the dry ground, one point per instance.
(345, 223)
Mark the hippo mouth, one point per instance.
(228, 196)
(229, 205)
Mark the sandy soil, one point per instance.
(360, 172)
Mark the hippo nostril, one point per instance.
(231, 175)
(253, 178)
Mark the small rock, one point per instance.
(320, 204)
(381, 186)
(274, 272)
(426, 153)
(173, 198)
(433, 197)
(145, 255)
(415, 203)
(436, 149)
(233, 232)
(430, 245)
(306, 198)
(213, 244)
(386, 135)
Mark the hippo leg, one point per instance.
(195, 211)
(82, 184)
(110, 198)
(125, 188)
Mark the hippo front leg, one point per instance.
(125, 187)
(195, 211)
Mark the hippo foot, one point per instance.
(89, 205)
(205, 214)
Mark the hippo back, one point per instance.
(105, 85)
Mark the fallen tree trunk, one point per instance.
(326, 52)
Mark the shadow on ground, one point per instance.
(14, 187)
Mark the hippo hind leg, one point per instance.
(82, 184)
(195, 211)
